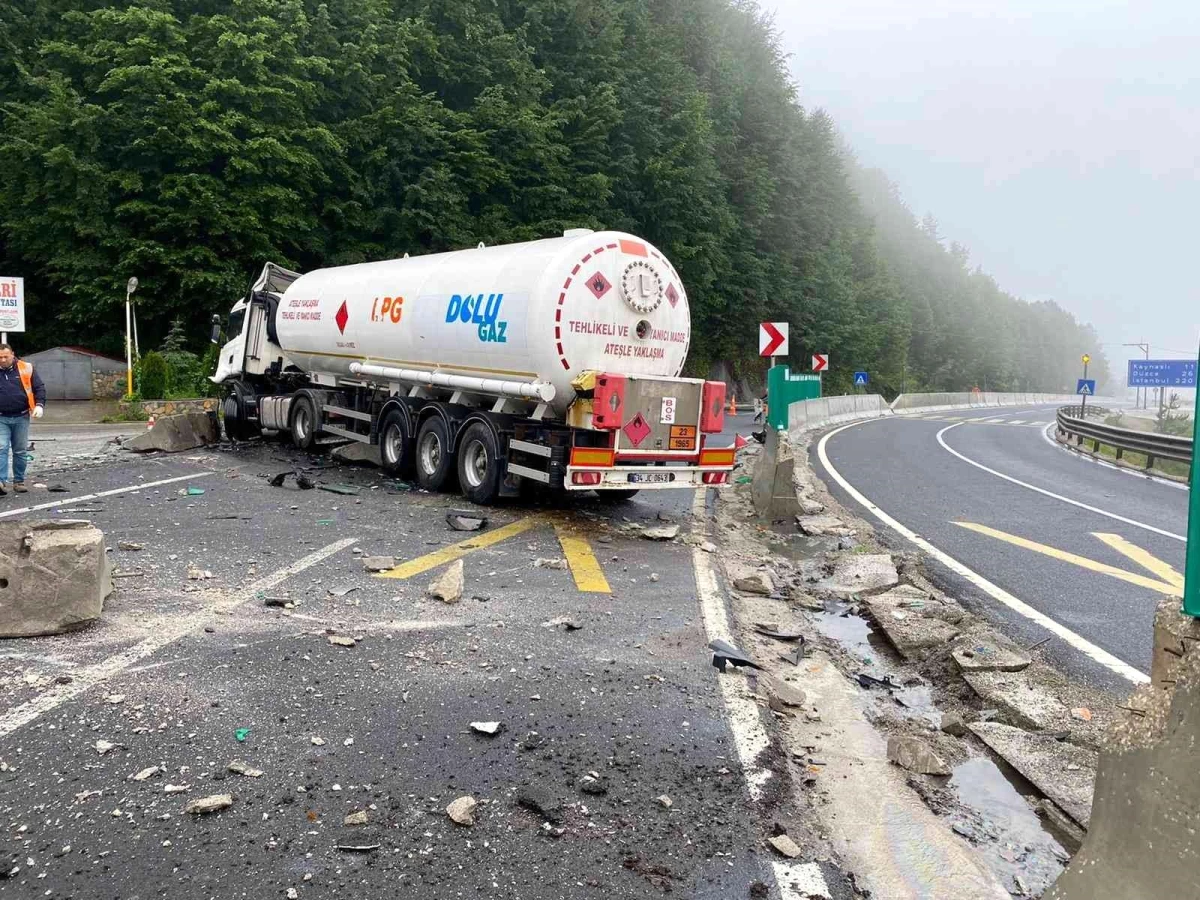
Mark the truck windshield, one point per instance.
(235, 322)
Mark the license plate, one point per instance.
(650, 477)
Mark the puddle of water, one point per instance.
(800, 547)
(853, 633)
(997, 819)
(917, 703)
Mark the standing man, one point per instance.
(21, 394)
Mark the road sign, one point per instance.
(1162, 373)
(773, 339)
(12, 304)
(1087, 358)
(861, 379)
(820, 362)
(1086, 387)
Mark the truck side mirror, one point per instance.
(216, 329)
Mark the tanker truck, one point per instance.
(544, 364)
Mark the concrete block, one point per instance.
(1019, 699)
(989, 653)
(1175, 635)
(54, 576)
(772, 492)
(1062, 771)
(171, 434)
(357, 452)
(911, 620)
(818, 525)
(914, 754)
(860, 573)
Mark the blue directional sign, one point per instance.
(1086, 387)
(861, 379)
(1162, 373)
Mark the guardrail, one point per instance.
(1155, 447)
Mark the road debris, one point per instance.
(241, 734)
(344, 489)
(488, 728)
(145, 773)
(130, 546)
(103, 746)
(317, 741)
(277, 602)
(593, 783)
(379, 563)
(541, 801)
(567, 623)
(664, 801)
(115, 698)
(725, 653)
(211, 804)
(460, 811)
(176, 788)
(358, 817)
(772, 630)
(243, 768)
(341, 640)
(195, 573)
(449, 587)
(342, 590)
(358, 848)
(870, 681)
(661, 533)
(87, 795)
(759, 583)
(465, 521)
(554, 563)
(914, 754)
(785, 846)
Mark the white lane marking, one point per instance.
(1016, 421)
(75, 501)
(1179, 486)
(795, 881)
(1084, 646)
(1103, 512)
(163, 635)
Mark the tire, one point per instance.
(235, 407)
(434, 459)
(396, 449)
(617, 496)
(303, 422)
(479, 464)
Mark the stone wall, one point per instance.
(158, 408)
(108, 385)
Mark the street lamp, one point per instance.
(130, 287)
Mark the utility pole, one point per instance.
(1140, 394)
(1083, 397)
(130, 287)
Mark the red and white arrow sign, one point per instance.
(820, 362)
(773, 339)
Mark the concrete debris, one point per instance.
(759, 583)
(461, 811)
(103, 746)
(1020, 700)
(991, 654)
(915, 755)
(292, 894)
(593, 783)
(816, 526)
(953, 724)
(664, 801)
(861, 572)
(543, 563)
(661, 533)
(214, 803)
(810, 507)
(910, 620)
(566, 623)
(317, 741)
(1067, 831)
(541, 801)
(785, 846)
(341, 640)
(129, 545)
(805, 600)
(342, 591)
(242, 768)
(114, 698)
(172, 434)
(56, 575)
(488, 728)
(379, 563)
(463, 521)
(195, 573)
(176, 788)
(1062, 771)
(145, 773)
(87, 795)
(785, 693)
(449, 587)
(357, 452)
(359, 817)
(1082, 713)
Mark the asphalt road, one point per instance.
(181, 661)
(1043, 550)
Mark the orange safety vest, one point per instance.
(25, 370)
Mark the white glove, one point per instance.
(37, 412)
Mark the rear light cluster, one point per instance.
(585, 478)
(715, 477)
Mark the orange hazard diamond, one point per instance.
(637, 430)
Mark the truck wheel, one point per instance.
(479, 465)
(435, 461)
(395, 444)
(303, 422)
(617, 496)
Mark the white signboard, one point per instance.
(12, 303)
(773, 339)
(667, 414)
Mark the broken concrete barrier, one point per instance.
(861, 572)
(914, 754)
(772, 490)
(358, 453)
(54, 576)
(183, 431)
(989, 654)
(911, 620)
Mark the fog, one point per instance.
(1057, 141)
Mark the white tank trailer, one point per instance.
(552, 362)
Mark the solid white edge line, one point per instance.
(1095, 509)
(68, 502)
(89, 677)
(1083, 457)
(1084, 646)
(794, 880)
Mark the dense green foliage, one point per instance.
(187, 142)
(154, 376)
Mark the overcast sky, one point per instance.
(1057, 140)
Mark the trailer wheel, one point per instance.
(479, 465)
(395, 444)
(617, 496)
(303, 422)
(435, 459)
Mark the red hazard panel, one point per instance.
(633, 248)
(637, 430)
(712, 407)
(608, 401)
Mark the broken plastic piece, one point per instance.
(339, 489)
(241, 734)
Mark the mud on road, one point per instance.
(216, 650)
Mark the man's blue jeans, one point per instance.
(14, 436)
